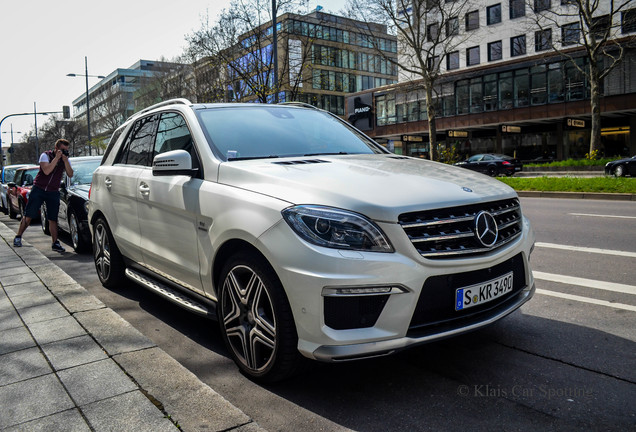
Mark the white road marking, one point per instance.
(602, 216)
(588, 283)
(587, 300)
(587, 249)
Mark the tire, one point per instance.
(492, 171)
(256, 320)
(109, 262)
(619, 171)
(77, 239)
(43, 220)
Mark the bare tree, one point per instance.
(589, 29)
(428, 31)
(239, 44)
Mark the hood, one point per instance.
(378, 186)
(80, 190)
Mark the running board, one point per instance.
(170, 294)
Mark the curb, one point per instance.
(94, 371)
(578, 195)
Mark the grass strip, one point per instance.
(572, 184)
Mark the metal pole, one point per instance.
(275, 51)
(88, 110)
(37, 143)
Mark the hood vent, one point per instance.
(302, 162)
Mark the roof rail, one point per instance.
(182, 101)
(300, 104)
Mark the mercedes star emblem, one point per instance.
(486, 229)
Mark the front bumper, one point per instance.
(393, 288)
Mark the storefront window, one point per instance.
(539, 85)
(556, 89)
(462, 97)
(490, 92)
(505, 91)
(476, 96)
(521, 88)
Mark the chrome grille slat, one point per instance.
(449, 232)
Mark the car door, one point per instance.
(168, 210)
(121, 183)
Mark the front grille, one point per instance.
(436, 304)
(450, 232)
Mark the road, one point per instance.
(565, 361)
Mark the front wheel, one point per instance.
(108, 260)
(43, 220)
(619, 171)
(78, 240)
(256, 320)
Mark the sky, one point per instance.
(41, 41)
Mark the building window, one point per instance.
(432, 63)
(543, 40)
(600, 26)
(452, 26)
(452, 60)
(517, 46)
(493, 14)
(472, 20)
(494, 51)
(538, 85)
(472, 56)
(570, 34)
(521, 89)
(541, 5)
(517, 8)
(432, 32)
(628, 21)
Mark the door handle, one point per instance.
(144, 189)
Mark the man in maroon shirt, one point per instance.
(46, 188)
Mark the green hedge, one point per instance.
(572, 184)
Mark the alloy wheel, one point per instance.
(102, 252)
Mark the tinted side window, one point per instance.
(138, 148)
(173, 134)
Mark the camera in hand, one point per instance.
(65, 152)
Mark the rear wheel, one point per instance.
(109, 262)
(43, 220)
(256, 320)
(79, 244)
(492, 171)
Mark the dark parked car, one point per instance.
(621, 167)
(492, 164)
(73, 214)
(18, 190)
(8, 174)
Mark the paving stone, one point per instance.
(15, 339)
(22, 365)
(32, 399)
(67, 421)
(135, 413)
(9, 317)
(56, 330)
(52, 275)
(39, 298)
(96, 381)
(75, 298)
(112, 331)
(19, 278)
(73, 352)
(43, 312)
(25, 289)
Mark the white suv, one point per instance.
(302, 235)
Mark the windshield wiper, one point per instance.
(231, 159)
(326, 154)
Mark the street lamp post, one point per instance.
(88, 108)
(10, 151)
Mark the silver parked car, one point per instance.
(301, 235)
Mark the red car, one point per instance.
(19, 189)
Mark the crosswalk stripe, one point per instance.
(588, 283)
(603, 216)
(587, 300)
(586, 249)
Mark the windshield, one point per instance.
(83, 171)
(264, 131)
(28, 177)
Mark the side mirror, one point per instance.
(11, 184)
(175, 162)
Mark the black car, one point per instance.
(73, 214)
(621, 167)
(492, 164)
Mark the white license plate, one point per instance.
(484, 292)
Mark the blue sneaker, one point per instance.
(57, 247)
(17, 241)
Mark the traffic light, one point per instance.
(66, 111)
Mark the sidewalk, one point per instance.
(69, 363)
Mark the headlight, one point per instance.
(335, 228)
